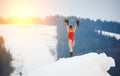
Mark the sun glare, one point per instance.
(21, 18)
(24, 13)
(21, 11)
(21, 15)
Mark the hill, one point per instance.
(87, 40)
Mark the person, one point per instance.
(71, 31)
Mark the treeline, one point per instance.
(105, 25)
(18, 20)
(5, 60)
(55, 20)
(26, 20)
(109, 26)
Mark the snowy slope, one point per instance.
(30, 46)
(91, 64)
(33, 48)
(117, 36)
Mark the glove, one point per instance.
(77, 22)
(66, 21)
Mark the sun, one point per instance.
(21, 12)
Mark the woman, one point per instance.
(71, 31)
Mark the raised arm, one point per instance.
(77, 24)
(67, 24)
(75, 27)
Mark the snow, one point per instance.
(30, 46)
(117, 36)
(91, 64)
(34, 52)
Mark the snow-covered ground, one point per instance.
(91, 64)
(34, 52)
(117, 36)
(31, 46)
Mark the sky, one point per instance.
(93, 9)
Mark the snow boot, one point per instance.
(71, 54)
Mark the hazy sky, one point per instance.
(93, 9)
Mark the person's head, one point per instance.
(71, 28)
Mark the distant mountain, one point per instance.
(87, 40)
